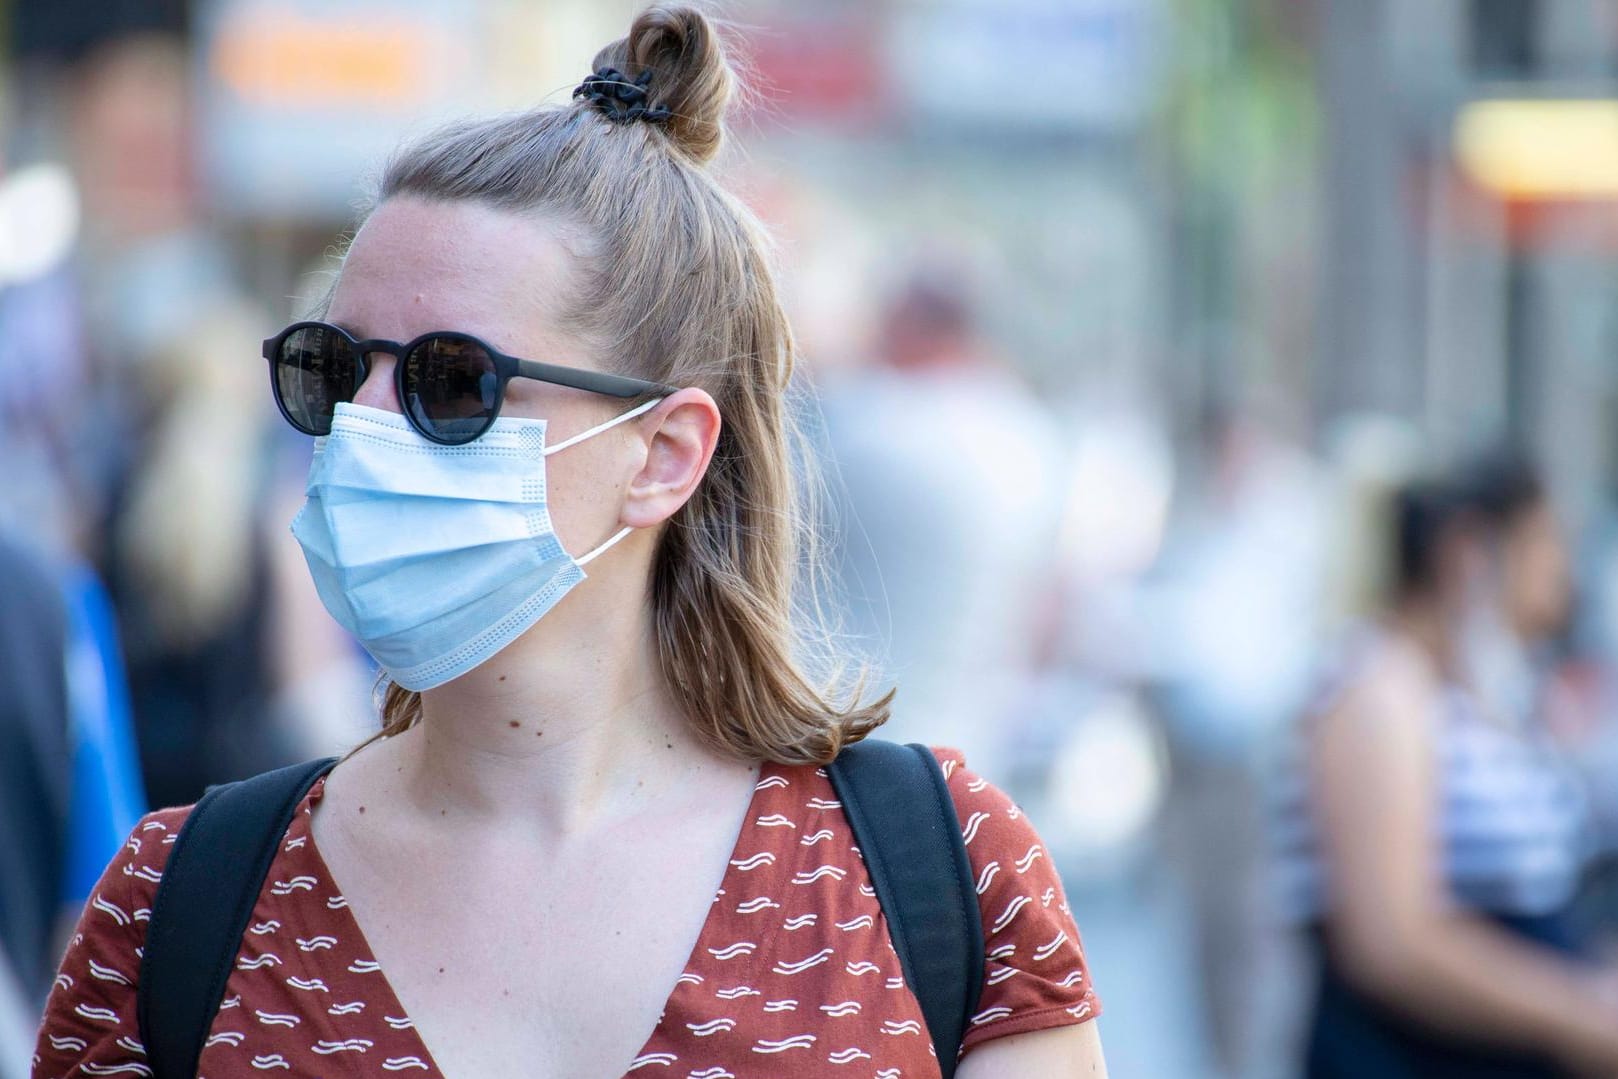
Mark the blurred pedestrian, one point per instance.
(69, 784)
(1432, 837)
(949, 498)
(1234, 638)
(599, 830)
(36, 775)
(173, 427)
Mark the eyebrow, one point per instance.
(354, 332)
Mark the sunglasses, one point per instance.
(450, 384)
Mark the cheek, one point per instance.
(1558, 580)
(583, 493)
(1544, 563)
(1540, 583)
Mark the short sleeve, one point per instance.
(90, 1027)
(1034, 975)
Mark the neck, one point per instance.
(570, 727)
(1423, 622)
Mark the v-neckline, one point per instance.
(345, 913)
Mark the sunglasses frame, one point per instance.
(506, 368)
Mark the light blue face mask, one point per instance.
(435, 557)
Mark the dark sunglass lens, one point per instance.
(451, 388)
(315, 370)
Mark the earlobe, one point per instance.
(681, 433)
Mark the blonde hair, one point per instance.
(675, 275)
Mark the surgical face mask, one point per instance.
(435, 557)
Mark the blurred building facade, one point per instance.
(1172, 199)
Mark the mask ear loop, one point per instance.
(596, 430)
(582, 560)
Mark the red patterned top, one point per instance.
(793, 972)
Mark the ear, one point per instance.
(680, 435)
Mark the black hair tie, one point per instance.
(620, 98)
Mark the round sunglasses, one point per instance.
(450, 384)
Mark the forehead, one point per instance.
(419, 265)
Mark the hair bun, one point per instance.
(690, 75)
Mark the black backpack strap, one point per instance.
(204, 901)
(904, 821)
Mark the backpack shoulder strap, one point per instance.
(203, 904)
(897, 801)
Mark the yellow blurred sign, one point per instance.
(280, 58)
(1540, 150)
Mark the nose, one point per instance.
(378, 391)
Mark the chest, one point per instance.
(510, 965)
(624, 964)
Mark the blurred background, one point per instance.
(1124, 323)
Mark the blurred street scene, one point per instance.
(1186, 374)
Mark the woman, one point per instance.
(468, 893)
(1443, 840)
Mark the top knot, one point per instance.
(621, 99)
(681, 50)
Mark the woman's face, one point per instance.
(1535, 577)
(418, 266)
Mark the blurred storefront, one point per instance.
(1469, 253)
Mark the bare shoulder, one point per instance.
(1387, 704)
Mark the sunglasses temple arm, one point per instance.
(594, 381)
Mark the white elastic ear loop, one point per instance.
(622, 532)
(598, 428)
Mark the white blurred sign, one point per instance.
(1085, 65)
